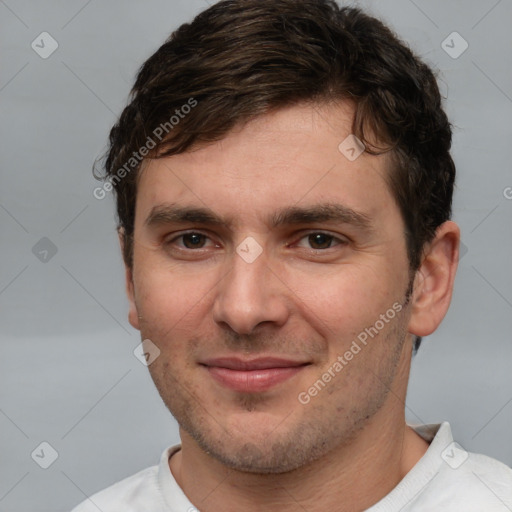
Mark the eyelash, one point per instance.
(341, 242)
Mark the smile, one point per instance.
(253, 376)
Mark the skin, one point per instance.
(304, 298)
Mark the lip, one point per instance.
(254, 375)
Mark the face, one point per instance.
(261, 262)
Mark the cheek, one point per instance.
(347, 299)
(169, 302)
(166, 290)
(357, 312)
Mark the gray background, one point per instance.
(68, 373)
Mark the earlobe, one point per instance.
(433, 284)
(133, 316)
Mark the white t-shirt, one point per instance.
(446, 479)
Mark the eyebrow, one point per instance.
(170, 213)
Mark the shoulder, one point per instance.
(478, 483)
(131, 494)
(450, 478)
(492, 473)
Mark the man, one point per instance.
(284, 185)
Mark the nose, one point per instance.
(250, 294)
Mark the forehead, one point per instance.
(292, 156)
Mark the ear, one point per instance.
(133, 316)
(433, 283)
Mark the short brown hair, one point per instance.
(240, 59)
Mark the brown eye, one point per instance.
(320, 240)
(193, 240)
